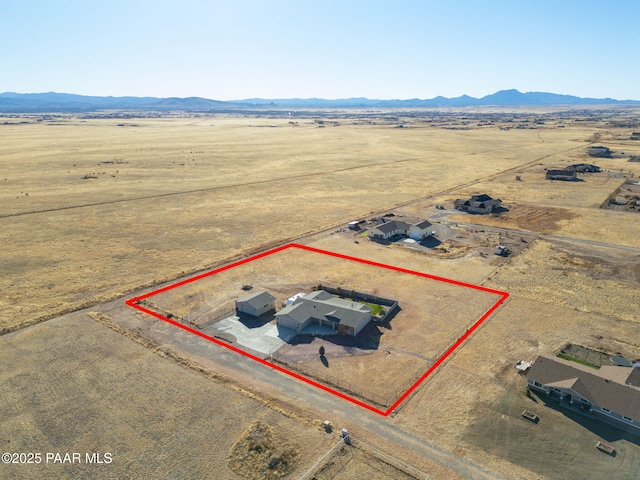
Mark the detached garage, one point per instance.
(256, 304)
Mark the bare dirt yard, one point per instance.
(433, 315)
(177, 195)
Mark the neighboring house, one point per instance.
(478, 204)
(583, 168)
(611, 391)
(566, 175)
(599, 152)
(418, 231)
(326, 310)
(256, 304)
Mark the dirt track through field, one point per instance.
(294, 177)
(211, 189)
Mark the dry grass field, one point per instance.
(91, 211)
(561, 302)
(90, 389)
(433, 315)
(594, 280)
(183, 194)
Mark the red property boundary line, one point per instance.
(133, 302)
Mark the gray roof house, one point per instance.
(326, 310)
(611, 391)
(417, 231)
(256, 304)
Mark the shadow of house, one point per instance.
(565, 175)
(499, 210)
(607, 431)
(430, 242)
(250, 321)
(386, 323)
(583, 168)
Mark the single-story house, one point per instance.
(256, 304)
(478, 204)
(599, 151)
(611, 391)
(418, 231)
(566, 175)
(341, 315)
(583, 168)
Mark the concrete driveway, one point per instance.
(264, 339)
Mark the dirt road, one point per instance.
(268, 383)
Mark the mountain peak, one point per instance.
(64, 102)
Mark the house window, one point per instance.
(605, 409)
(537, 384)
(627, 419)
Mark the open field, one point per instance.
(349, 462)
(173, 196)
(90, 389)
(593, 280)
(251, 186)
(485, 397)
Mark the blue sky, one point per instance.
(330, 49)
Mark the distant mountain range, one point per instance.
(64, 102)
(501, 98)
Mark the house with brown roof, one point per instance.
(612, 392)
(565, 175)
